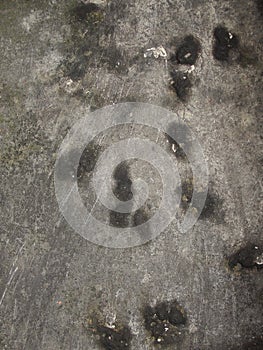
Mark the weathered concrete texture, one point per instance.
(58, 62)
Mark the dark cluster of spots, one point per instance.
(82, 11)
(187, 54)
(181, 84)
(114, 339)
(88, 159)
(224, 42)
(260, 6)
(188, 51)
(140, 217)
(213, 207)
(166, 322)
(182, 142)
(122, 190)
(91, 43)
(248, 257)
(187, 193)
(123, 182)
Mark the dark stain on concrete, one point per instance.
(213, 207)
(91, 42)
(247, 257)
(140, 217)
(187, 193)
(119, 219)
(165, 321)
(82, 11)
(224, 42)
(188, 51)
(183, 138)
(181, 84)
(260, 6)
(122, 190)
(88, 159)
(123, 183)
(114, 339)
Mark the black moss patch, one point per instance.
(224, 42)
(77, 69)
(187, 193)
(114, 339)
(82, 11)
(260, 6)
(188, 51)
(123, 183)
(181, 83)
(122, 190)
(166, 322)
(248, 257)
(183, 139)
(213, 208)
(88, 159)
(140, 217)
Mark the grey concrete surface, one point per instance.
(57, 65)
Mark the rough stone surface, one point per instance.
(59, 61)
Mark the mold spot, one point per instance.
(182, 137)
(140, 217)
(119, 219)
(166, 322)
(224, 42)
(77, 69)
(181, 84)
(122, 190)
(188, 51)
(260, 6)
(88, 159)
(213, 207)
(123, 182)
(114, 339)
(187, 193)
(82, 11)
(248, 257)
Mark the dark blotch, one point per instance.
(213, 207)
(119, 219)
(77, 69)
(224, 42)
(247, 257)
(114, 339)
(123, 182)
(260, 6)
(179, 139)
(188, 51)
(88, 159)
(165, 322)
(82, 11)
(140, 217)
(181, 84)
(187, 193)
(122, 190)
(176, 315)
